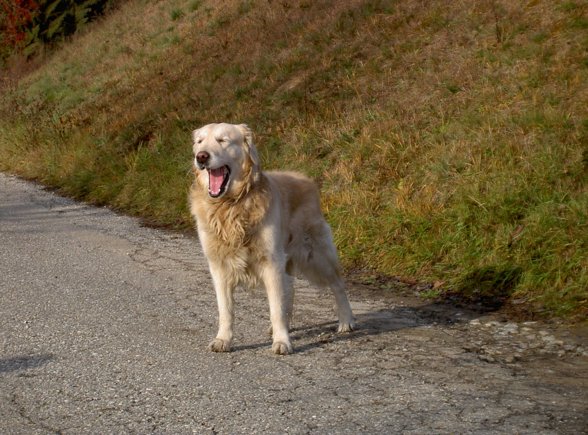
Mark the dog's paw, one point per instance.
(218, 345)
(281, 348)
(345, 327)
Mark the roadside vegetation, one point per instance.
(450, 139)
(27, 27)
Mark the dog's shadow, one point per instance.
(306, 338)
(22, 363)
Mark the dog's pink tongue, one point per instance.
(215, 180)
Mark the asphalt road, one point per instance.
(104, 326)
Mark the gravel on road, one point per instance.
(104, 326)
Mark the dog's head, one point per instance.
(225, 159)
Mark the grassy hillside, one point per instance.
(450, 139)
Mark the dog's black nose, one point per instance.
(202, 157)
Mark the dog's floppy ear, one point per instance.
(251, 150)
(195, 135)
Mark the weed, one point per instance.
(176, 14)
(195, 5)
(489, 286)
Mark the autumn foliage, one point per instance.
(16, 17)
(26, 25)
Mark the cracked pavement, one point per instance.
(104, 326)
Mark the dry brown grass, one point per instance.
(437, 130)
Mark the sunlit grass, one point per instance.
(450, 139)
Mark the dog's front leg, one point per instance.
(224, 299)
(277, 292)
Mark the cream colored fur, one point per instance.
(265, 228)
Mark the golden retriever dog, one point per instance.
(258, 229)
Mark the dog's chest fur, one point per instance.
(230, 230)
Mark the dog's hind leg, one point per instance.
(322, 268)
(344, 312)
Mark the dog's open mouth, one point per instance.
(217, 180)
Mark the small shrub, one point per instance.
(176, 14)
